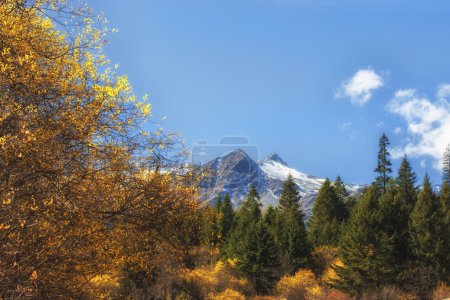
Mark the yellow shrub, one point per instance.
(207, 280)
(302, 285)
(227, 294)
(330, 274)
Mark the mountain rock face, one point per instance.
(236, 172)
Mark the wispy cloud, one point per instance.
(443, 92)
(345, 125)
(397, 130)
(428, 123)
(360, 86)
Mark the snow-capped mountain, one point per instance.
(236, 172)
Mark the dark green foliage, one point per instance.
(218, 203)
(253, 244)
(445, 212)
(210, 229)
(405, 182)
(292, 236)
(226, 218)
(340, 188)
(365, 252)
(428, 231)
(402, 206)
(446, 165)
(444, 198)
(259, 260)
(289, 196)
(344, 196)
(247, 216)
(383, 165)
(329, 212)
(293, 240)
(272, 219)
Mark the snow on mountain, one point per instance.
(236, 172)
(274, 169)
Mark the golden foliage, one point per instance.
(74, 203)
(302, 285)
(322, 257)
(214, 280)
(227, 294)
(330, 276)
(441, 292)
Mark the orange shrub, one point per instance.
(441, 292)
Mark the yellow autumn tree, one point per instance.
(85, 193)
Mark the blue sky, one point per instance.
(315, 81)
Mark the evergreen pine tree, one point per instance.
(344, 195)
(226, 217)
(289, 196)
(294, 240)
(364, 250)
(339, 187)
(444, 198)
(218, 203)
(428, 231)
(273, 222)
(292, 237)
(403, 204)
(328, 214)
(405, 183)
(247, 216)
(384, 164)
(259, 261)
(446, 165)
(210, 231)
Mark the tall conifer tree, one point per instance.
(365, 251)
(444, 198)
(289, 196)
(328, 214)
(384, 164)
(218, 202)
(403, 204)
(446, 165)
(226, 217)
(292, 237)
(428, 231)
(260, 260)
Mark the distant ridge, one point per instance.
(235, 172)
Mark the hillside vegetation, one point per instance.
(92, 206)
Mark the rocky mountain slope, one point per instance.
(236, 172)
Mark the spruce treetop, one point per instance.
(446, 165)
(384, 164)
(289, 196)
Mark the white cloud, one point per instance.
(428, 124)
(443, 92)
(360, 87)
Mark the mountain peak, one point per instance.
(236, 153)
(273, 157)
